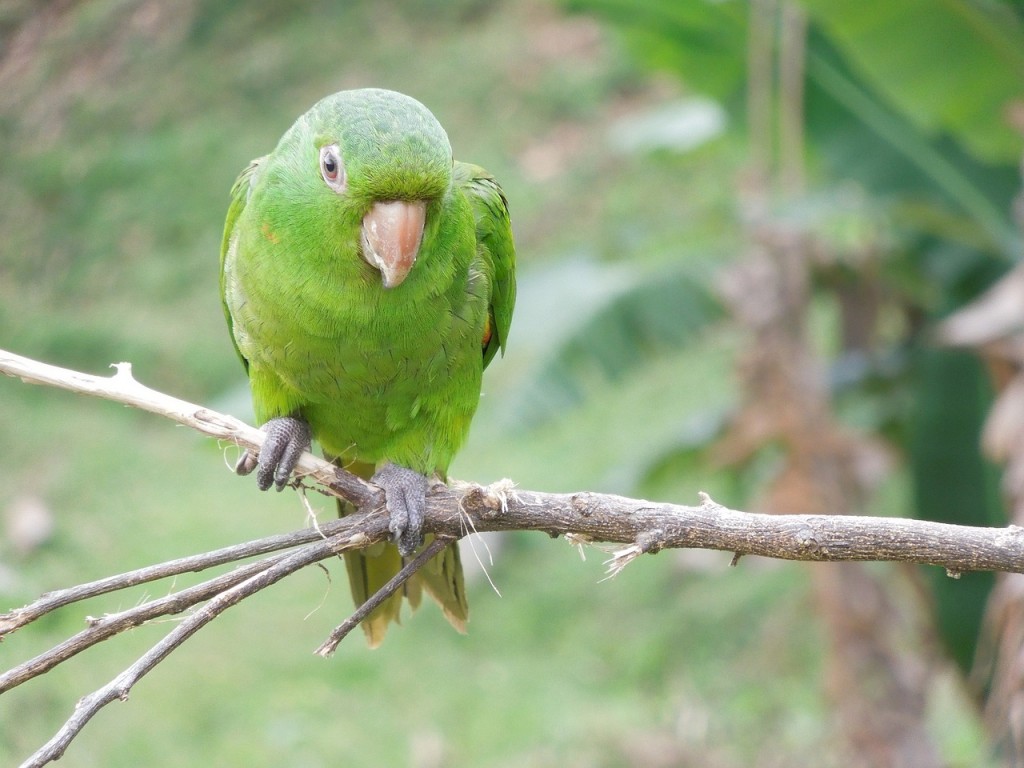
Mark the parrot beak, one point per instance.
(392, 232)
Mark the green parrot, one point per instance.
(368, 279)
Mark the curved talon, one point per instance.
(246, 463)
(287, 438)
(405, 494)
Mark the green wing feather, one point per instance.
(494, 239)
(239, 197)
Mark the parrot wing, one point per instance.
(239, 197)
(494, 239)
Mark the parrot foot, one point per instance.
(405, 493)
(287, 438)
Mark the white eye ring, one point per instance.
(331, 167)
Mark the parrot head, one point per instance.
(373, 165)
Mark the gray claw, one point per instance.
(287, 438)
(405, 493)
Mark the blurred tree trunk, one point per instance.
(880, 655)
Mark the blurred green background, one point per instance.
(621, 133)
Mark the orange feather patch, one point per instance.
(270, 234)
(487, 333)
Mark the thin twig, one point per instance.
(353, 528)
(328, 647)
(123, 388)
(121, 685)
(19, 617)
(111, 624)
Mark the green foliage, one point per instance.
(701, 40)
(859, 136)
(630, 321)
(950, 67)
(955, 486)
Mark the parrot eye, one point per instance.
(331, 167)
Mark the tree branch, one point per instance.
(646, 526)
(453, 511)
